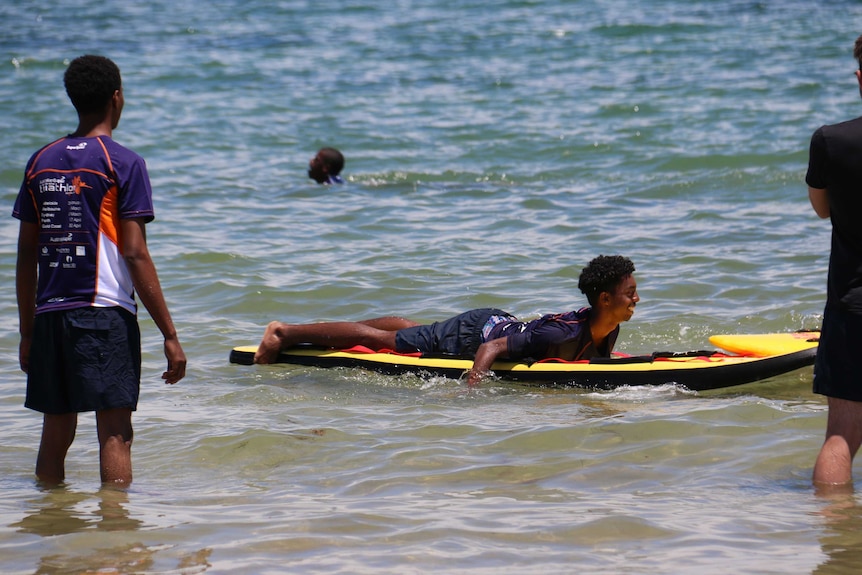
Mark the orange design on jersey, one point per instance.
(78, 183)
(109, 217)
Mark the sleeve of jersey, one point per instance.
(818, 158)
(136, 194)
(25, 207)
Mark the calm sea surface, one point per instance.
(492, 148)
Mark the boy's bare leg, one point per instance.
(58, 432)
(389, 323)
(279, 336)
(834, 465)
(114, 428)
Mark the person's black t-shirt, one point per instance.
(835, 164)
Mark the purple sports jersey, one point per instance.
(78, 190)
(564, 336)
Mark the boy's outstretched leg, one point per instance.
(339, 334)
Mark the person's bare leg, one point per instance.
(114, 427)
(340, 334)
(58, 432)
(390, 323)
(834, 465)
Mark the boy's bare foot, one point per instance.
(270, 345)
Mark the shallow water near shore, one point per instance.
(492, 150)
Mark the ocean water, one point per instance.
(492, 148)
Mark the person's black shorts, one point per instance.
(838, 367)
(460, 335)
(84, 359)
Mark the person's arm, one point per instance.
(25, 287)
(149, 290)
(819, 199)
(487, 353)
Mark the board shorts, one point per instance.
(460, 335)
(838, 365)
(84, 359)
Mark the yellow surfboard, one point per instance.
(766, 344)
(747, 358)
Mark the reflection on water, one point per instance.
(59, 511)
(841, 539)
(128, 558)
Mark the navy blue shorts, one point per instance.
(460, 335)
(838, 367)
(84, 359)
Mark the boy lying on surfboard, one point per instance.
(487, 334)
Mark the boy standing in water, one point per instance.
(834, 179)
(82, 254)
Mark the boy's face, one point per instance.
(623, 299)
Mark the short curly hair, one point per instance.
(91, 82)
(333, 159)
(603, 274)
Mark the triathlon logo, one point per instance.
(48, 185)
(78, 184)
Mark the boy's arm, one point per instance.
(819, 199)
(487, 353)
(149, 290)
(25, 287)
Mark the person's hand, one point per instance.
(474, 376)
(176, 361)
(24, 353)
